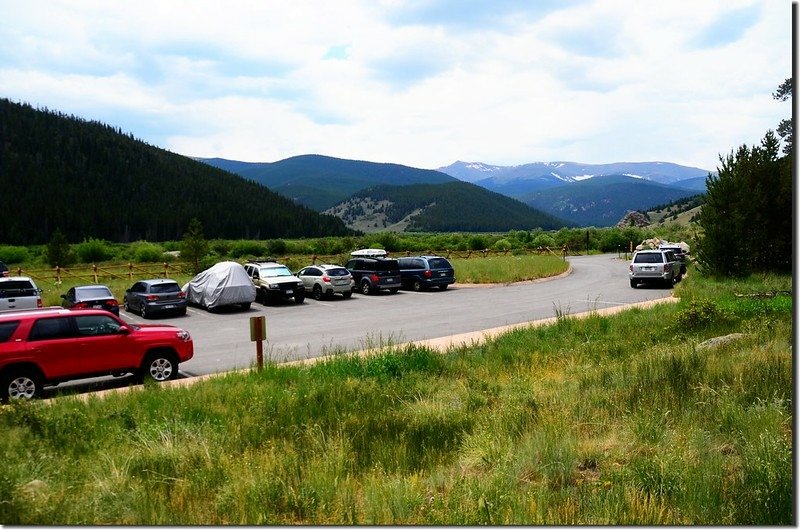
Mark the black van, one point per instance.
(424, 272)
(370, 275)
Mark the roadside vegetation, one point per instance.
(625, 419)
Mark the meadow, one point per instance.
(627, 419)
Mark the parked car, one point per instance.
(654, 266)
(323, 281)
(371, 275)
(424, 272)
(4, 270)
(679, 254)
(149, 297)
(274, 282)
(223, 284)
(19, 292)
(49, 346)
(90, 297)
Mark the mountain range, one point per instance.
(575, 193)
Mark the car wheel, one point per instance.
(365, 287)
(299, 297)
(443, 287)
(417, 285)
(393, 291)
(348, 294)
(143, 310)
(316, 292)
(21, 383)
(160, 365)
(182, 312)
(633, 284)
(245, 306)
(125, 305)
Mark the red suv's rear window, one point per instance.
(7, 329)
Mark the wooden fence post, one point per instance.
(94, 271)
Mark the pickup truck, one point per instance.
(654, 266)
(19, 292)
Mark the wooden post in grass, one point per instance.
(258, 334)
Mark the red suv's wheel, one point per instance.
(159, 366)
(20, 383)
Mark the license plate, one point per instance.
(648, 268)
(97, 305)
(289, 291)
(390, 280)
(170, 306)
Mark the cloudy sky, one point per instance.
(417, 82)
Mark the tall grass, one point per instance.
(505, 269)
(606, 420)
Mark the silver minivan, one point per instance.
(19, 292)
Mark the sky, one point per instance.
(422, 83)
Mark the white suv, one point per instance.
(323, 281)
(274, 282)
(19, 292)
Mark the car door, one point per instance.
(51, 342)
(102, 347)
(135, 296)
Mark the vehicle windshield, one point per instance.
(165, 288)
(273, 272)
(439, 263)
(93, 292)
(15, 288)
(650, 257)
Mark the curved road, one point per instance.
(315, 328)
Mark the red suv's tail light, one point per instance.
(427, 274)
(184, 335)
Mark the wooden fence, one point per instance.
(95, 273)
(131, 271)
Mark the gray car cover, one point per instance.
(226, 283)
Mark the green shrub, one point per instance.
(698, 314)
(93, 251)
(253, 249)
(144, 252)
(11, 254)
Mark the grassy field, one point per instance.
(627, 419)
(493, 269)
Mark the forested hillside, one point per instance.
(90, 180)
(320, 182)
(604, 200)
(448, 207)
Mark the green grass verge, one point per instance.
(506, 269)
(605, 420)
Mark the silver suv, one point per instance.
(274, 282)
(323, 281)
(654, 266)
(19, 292)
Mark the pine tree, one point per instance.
(194, 246)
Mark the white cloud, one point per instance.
(417, 83)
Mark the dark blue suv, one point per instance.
(424, 272)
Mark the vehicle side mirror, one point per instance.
(64, 296)
(124, 330)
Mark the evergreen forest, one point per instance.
(90, 180)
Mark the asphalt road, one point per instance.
(315, 328)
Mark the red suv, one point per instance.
(49, 346)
